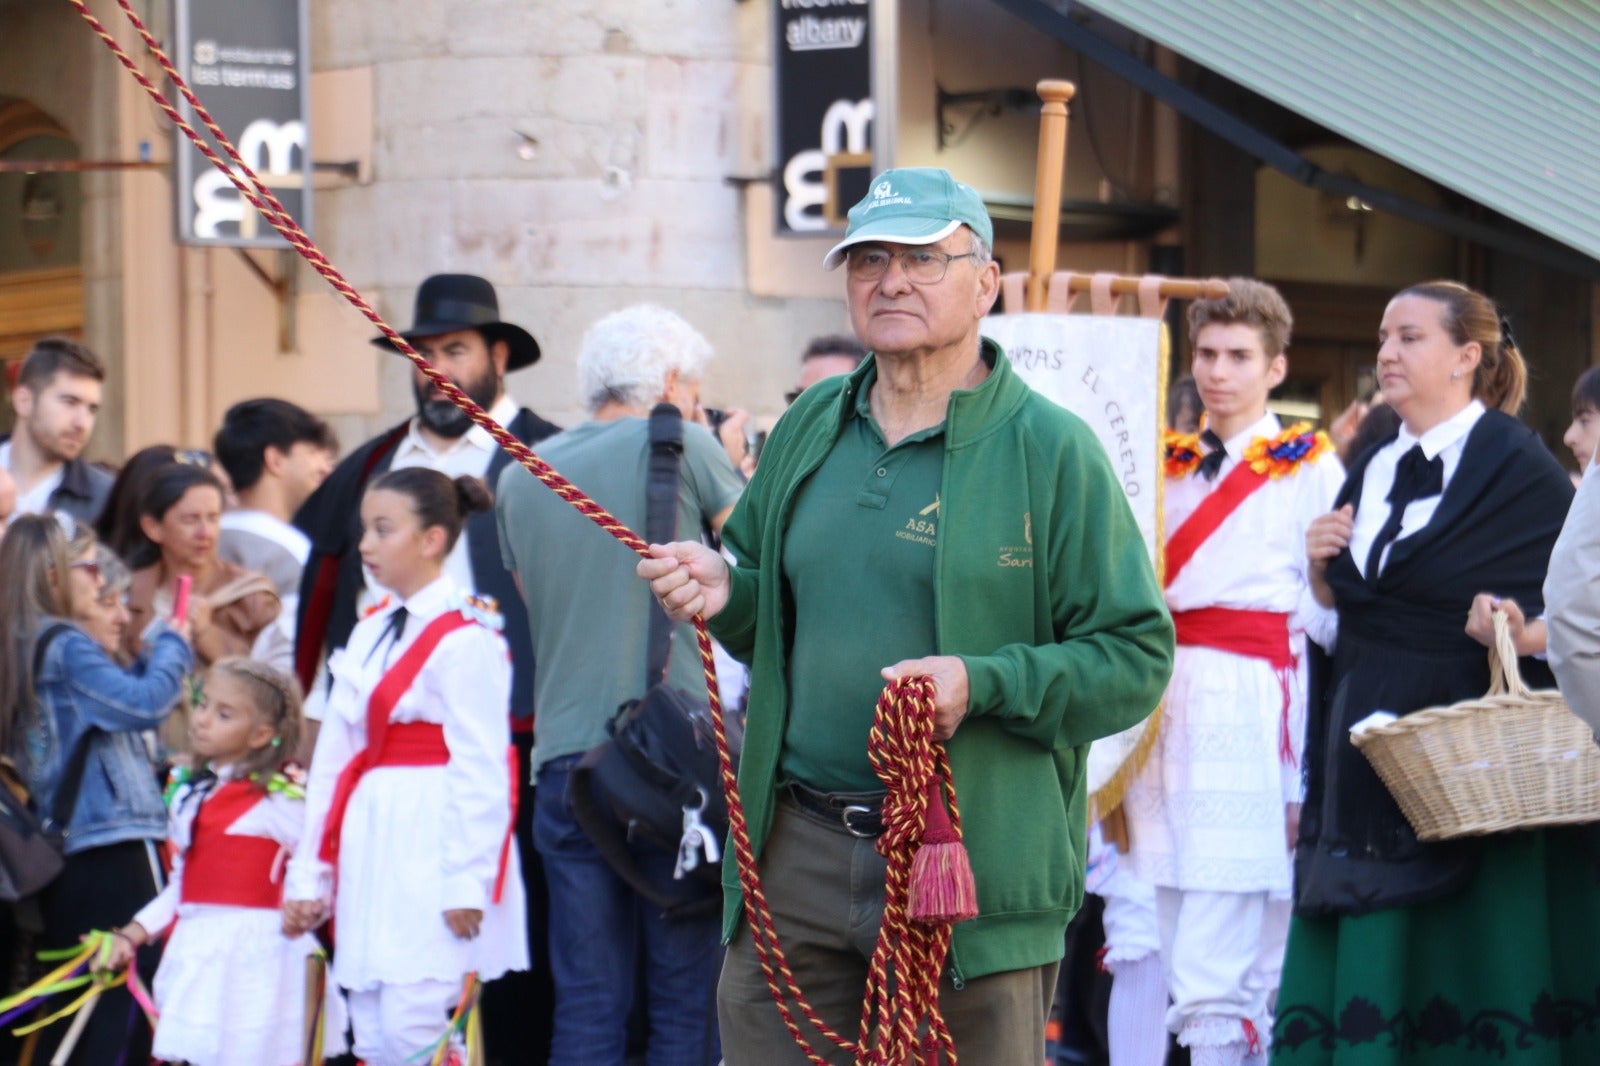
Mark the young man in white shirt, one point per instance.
(57, 400)
(1212, 811)
(276, 454)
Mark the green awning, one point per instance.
(1496, 99)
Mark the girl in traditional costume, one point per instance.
(1475, 950)
(408, 814)
(231, 987)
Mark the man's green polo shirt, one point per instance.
(858, 566)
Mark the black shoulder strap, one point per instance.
(661, 520)
(72, 778)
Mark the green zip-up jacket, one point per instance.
(1042, 587)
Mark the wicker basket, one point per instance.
(1512, 760)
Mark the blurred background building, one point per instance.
(584, 156)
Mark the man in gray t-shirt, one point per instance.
(588, 619)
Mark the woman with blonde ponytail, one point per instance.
(1404, 953)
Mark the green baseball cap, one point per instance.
(913, 205)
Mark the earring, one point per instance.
(277, 742)
(1455, 375)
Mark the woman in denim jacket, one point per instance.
(80, 695)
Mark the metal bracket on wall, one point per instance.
(985, 103)
(348, 169)
(285, 288)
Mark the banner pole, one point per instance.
(1047, 188)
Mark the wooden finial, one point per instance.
(1047, 188)
(1055, 90)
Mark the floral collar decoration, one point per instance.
(1274, 457)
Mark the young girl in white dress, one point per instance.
(230, 990)
(408, 807)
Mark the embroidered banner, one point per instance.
(1107, 370)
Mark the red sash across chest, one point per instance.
(405, 743)
(234, 869)
(1260, 635)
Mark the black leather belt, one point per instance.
(858, 813)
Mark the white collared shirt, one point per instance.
(469, 454)
(1268, 427)
(1256, 561)
(1445, 442)
(268, 527)
(37, 499)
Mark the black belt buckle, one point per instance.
(872, 821)
(861, 820)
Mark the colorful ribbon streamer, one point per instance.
(465, 1020)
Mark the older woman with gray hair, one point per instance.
(588, 617)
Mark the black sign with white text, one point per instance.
(247, 62)
(823, 71)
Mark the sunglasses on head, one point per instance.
(192, 457)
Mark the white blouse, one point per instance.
(276, 817)
(1445, 442)
(1257, 559)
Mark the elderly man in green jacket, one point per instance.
(926, 515)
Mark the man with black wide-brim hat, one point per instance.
(456, 326)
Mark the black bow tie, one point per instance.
(1416, 477)
(201, 783)
(390, 635)
(1211, 461)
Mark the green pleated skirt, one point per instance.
(1505, 971)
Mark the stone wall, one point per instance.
(579, 156)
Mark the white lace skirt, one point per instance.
(389, 901)
(231, 991)
(1206, 812)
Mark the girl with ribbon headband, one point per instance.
(230, 982)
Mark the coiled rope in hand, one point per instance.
(928, 885)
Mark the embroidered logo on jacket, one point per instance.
(1014, 556)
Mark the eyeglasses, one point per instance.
(923, 266)
(88, 566)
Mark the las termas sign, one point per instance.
(247, 61)
(823, 70)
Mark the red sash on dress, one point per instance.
(234, 869)
(1237, 487)
(1253, 634)
(405, 743)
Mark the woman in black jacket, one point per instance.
(1462, 951)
